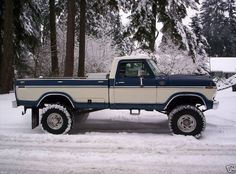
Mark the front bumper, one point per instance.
(215, 104)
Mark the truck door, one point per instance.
(135, 85)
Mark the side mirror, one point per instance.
(141, 73)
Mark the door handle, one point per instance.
(120, 82)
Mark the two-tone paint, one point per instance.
(155, 92)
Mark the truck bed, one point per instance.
(82, 92)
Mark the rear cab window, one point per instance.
(131, 69)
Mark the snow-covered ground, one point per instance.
(115, 142)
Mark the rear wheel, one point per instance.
(56, 120)
(187, 120)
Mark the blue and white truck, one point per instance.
(134, 83)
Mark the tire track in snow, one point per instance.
(27, 149)
(110, 145)
(111, 153)
(227, 150)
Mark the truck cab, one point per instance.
(134, 82)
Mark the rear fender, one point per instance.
(54, 95)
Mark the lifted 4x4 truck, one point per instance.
(134, 83)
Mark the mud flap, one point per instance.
(35, 117)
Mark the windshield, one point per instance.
(154, 67)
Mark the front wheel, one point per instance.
(187, 120)
(56, 120)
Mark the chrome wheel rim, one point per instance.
(55, 121)
(187, 123)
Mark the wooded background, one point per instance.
(58, 38)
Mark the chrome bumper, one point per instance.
(215, 104)
(14, 104)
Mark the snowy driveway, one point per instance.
(115, 142)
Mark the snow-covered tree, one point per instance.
(172, 13)
(231, 23)
(202, 59)
(142, 26)
(40, 62)
(145, 16)
(102, 18)
(26, 33)
(218, 21)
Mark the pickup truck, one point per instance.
(134, 83)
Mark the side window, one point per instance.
(132, 69)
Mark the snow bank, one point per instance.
(223, 83)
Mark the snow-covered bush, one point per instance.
(40, 63)
(172, 60)
(99, 54)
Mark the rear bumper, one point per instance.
(215, 104)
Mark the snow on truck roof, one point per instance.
(132, 57)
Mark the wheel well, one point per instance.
(56, 99)
(181, 100)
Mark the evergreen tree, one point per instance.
(7, 60)
(201, 45)
(1, 33)
(145, 15)
(53, 37)
(81, 66)
(102, 13)
(231, 22)
(142, 27)
(26, 34)
(70, 43)
(171, 14)
(218, 20)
